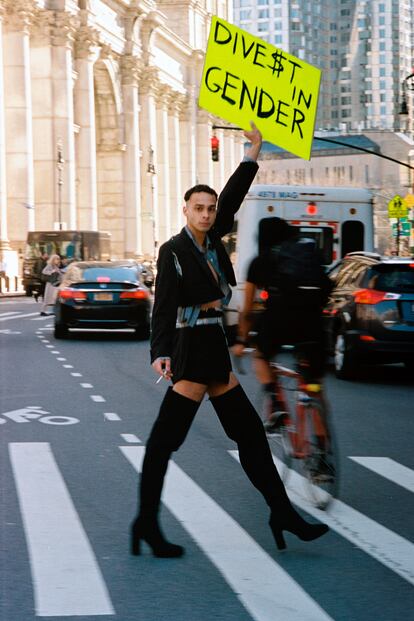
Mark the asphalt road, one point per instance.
(74, 417)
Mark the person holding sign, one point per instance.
(188, 347)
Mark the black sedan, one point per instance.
(103, 294)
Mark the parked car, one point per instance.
(103, 294)
(370, 314)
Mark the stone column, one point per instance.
(18, 119)
(163, 164)
(132, 181)
(205, 165)
(177, 178)
(53, 118)
(63, 113)
(86, 52)
(4, 241)
(149, 176)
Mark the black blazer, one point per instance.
(183, 276)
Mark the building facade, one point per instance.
(365, 49)
(99, 123)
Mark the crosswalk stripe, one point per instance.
(18, 316)
(67, 580)
(389, 469)
(10, 313)
(384, 545)
(259, 582)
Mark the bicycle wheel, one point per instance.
(321, 462)
(279, 442)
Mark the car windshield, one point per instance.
(392, 278)
(101, 274)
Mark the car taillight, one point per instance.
(372, 296)
(263, 295)
(71, 294)
(138, 294)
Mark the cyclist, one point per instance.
(292, 314)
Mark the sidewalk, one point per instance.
(12, 294)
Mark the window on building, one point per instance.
(381, 33)
(278, 39)
(382, 85)
(334, 114)
(295, 26)
(382, 46)
(263, 14)
(366, 174)
(277, 25)
(263, 27)
(381, 20)
(346, 101)
(382, 59)
(382, 72)
(345, 113)
(277, 12)
(245, 14)
(383, 110)
(351, 173)
(381, 8)
(383, 97)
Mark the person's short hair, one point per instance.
(273, 231)
(199, 188)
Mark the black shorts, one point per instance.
(201, 355)
(303, 330)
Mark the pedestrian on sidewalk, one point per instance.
(188, 347)
(39, 266)
(53, 275)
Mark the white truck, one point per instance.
(339, 219)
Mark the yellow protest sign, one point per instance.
(397, 207)
(245, 78)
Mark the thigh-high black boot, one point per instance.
(243, 425)
(168, 433)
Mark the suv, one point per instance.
(370, 313)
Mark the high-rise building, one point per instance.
(365, 49)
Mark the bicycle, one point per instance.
(304, 435)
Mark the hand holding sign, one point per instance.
(245, 77)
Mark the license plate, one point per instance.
(103, 297)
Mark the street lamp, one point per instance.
(59, 165)
(151, 172)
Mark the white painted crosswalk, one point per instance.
(260, 583)
(389, 469)
(66, 577)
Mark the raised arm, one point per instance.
(236, 188)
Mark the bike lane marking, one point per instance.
(265, 589)
(387, 547)
(389, 469)
(67, 580)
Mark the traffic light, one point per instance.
(215, 143)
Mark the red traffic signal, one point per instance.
(215, 144)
